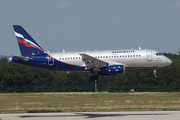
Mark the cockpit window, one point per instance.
(159, 54)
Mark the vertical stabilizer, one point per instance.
(26, 43)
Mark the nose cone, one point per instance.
(168, 62)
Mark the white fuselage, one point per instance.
(132, 58)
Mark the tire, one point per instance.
(93, 78)
(96, 77)
(155, 76)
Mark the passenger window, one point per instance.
(59, 58)
(106, 56)
(139, 55)
(136, 55)
(62, 58)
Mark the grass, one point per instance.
(84, 102)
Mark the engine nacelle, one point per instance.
(113, 70)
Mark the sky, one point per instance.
(80, 25)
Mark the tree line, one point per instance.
(12, 74)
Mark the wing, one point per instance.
(92, 62)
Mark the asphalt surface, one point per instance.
(140, 115)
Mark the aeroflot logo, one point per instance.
(132, 51)
(26, 42)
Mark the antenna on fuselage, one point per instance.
(139, 47)
(63, 50)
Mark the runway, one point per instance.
(140, 115)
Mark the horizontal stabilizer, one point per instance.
(24, 58)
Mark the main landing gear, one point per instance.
(155, 75)
(94, 76)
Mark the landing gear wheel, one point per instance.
(155, 75)
(96, 77)
(93, 78)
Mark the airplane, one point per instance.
(105, 63)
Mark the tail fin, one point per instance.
(26, 43)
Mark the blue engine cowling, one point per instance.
(112, 70)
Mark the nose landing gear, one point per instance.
(155, 74)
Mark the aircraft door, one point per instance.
(50, 60)
(149, 55)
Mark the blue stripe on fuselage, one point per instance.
(41, 61)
